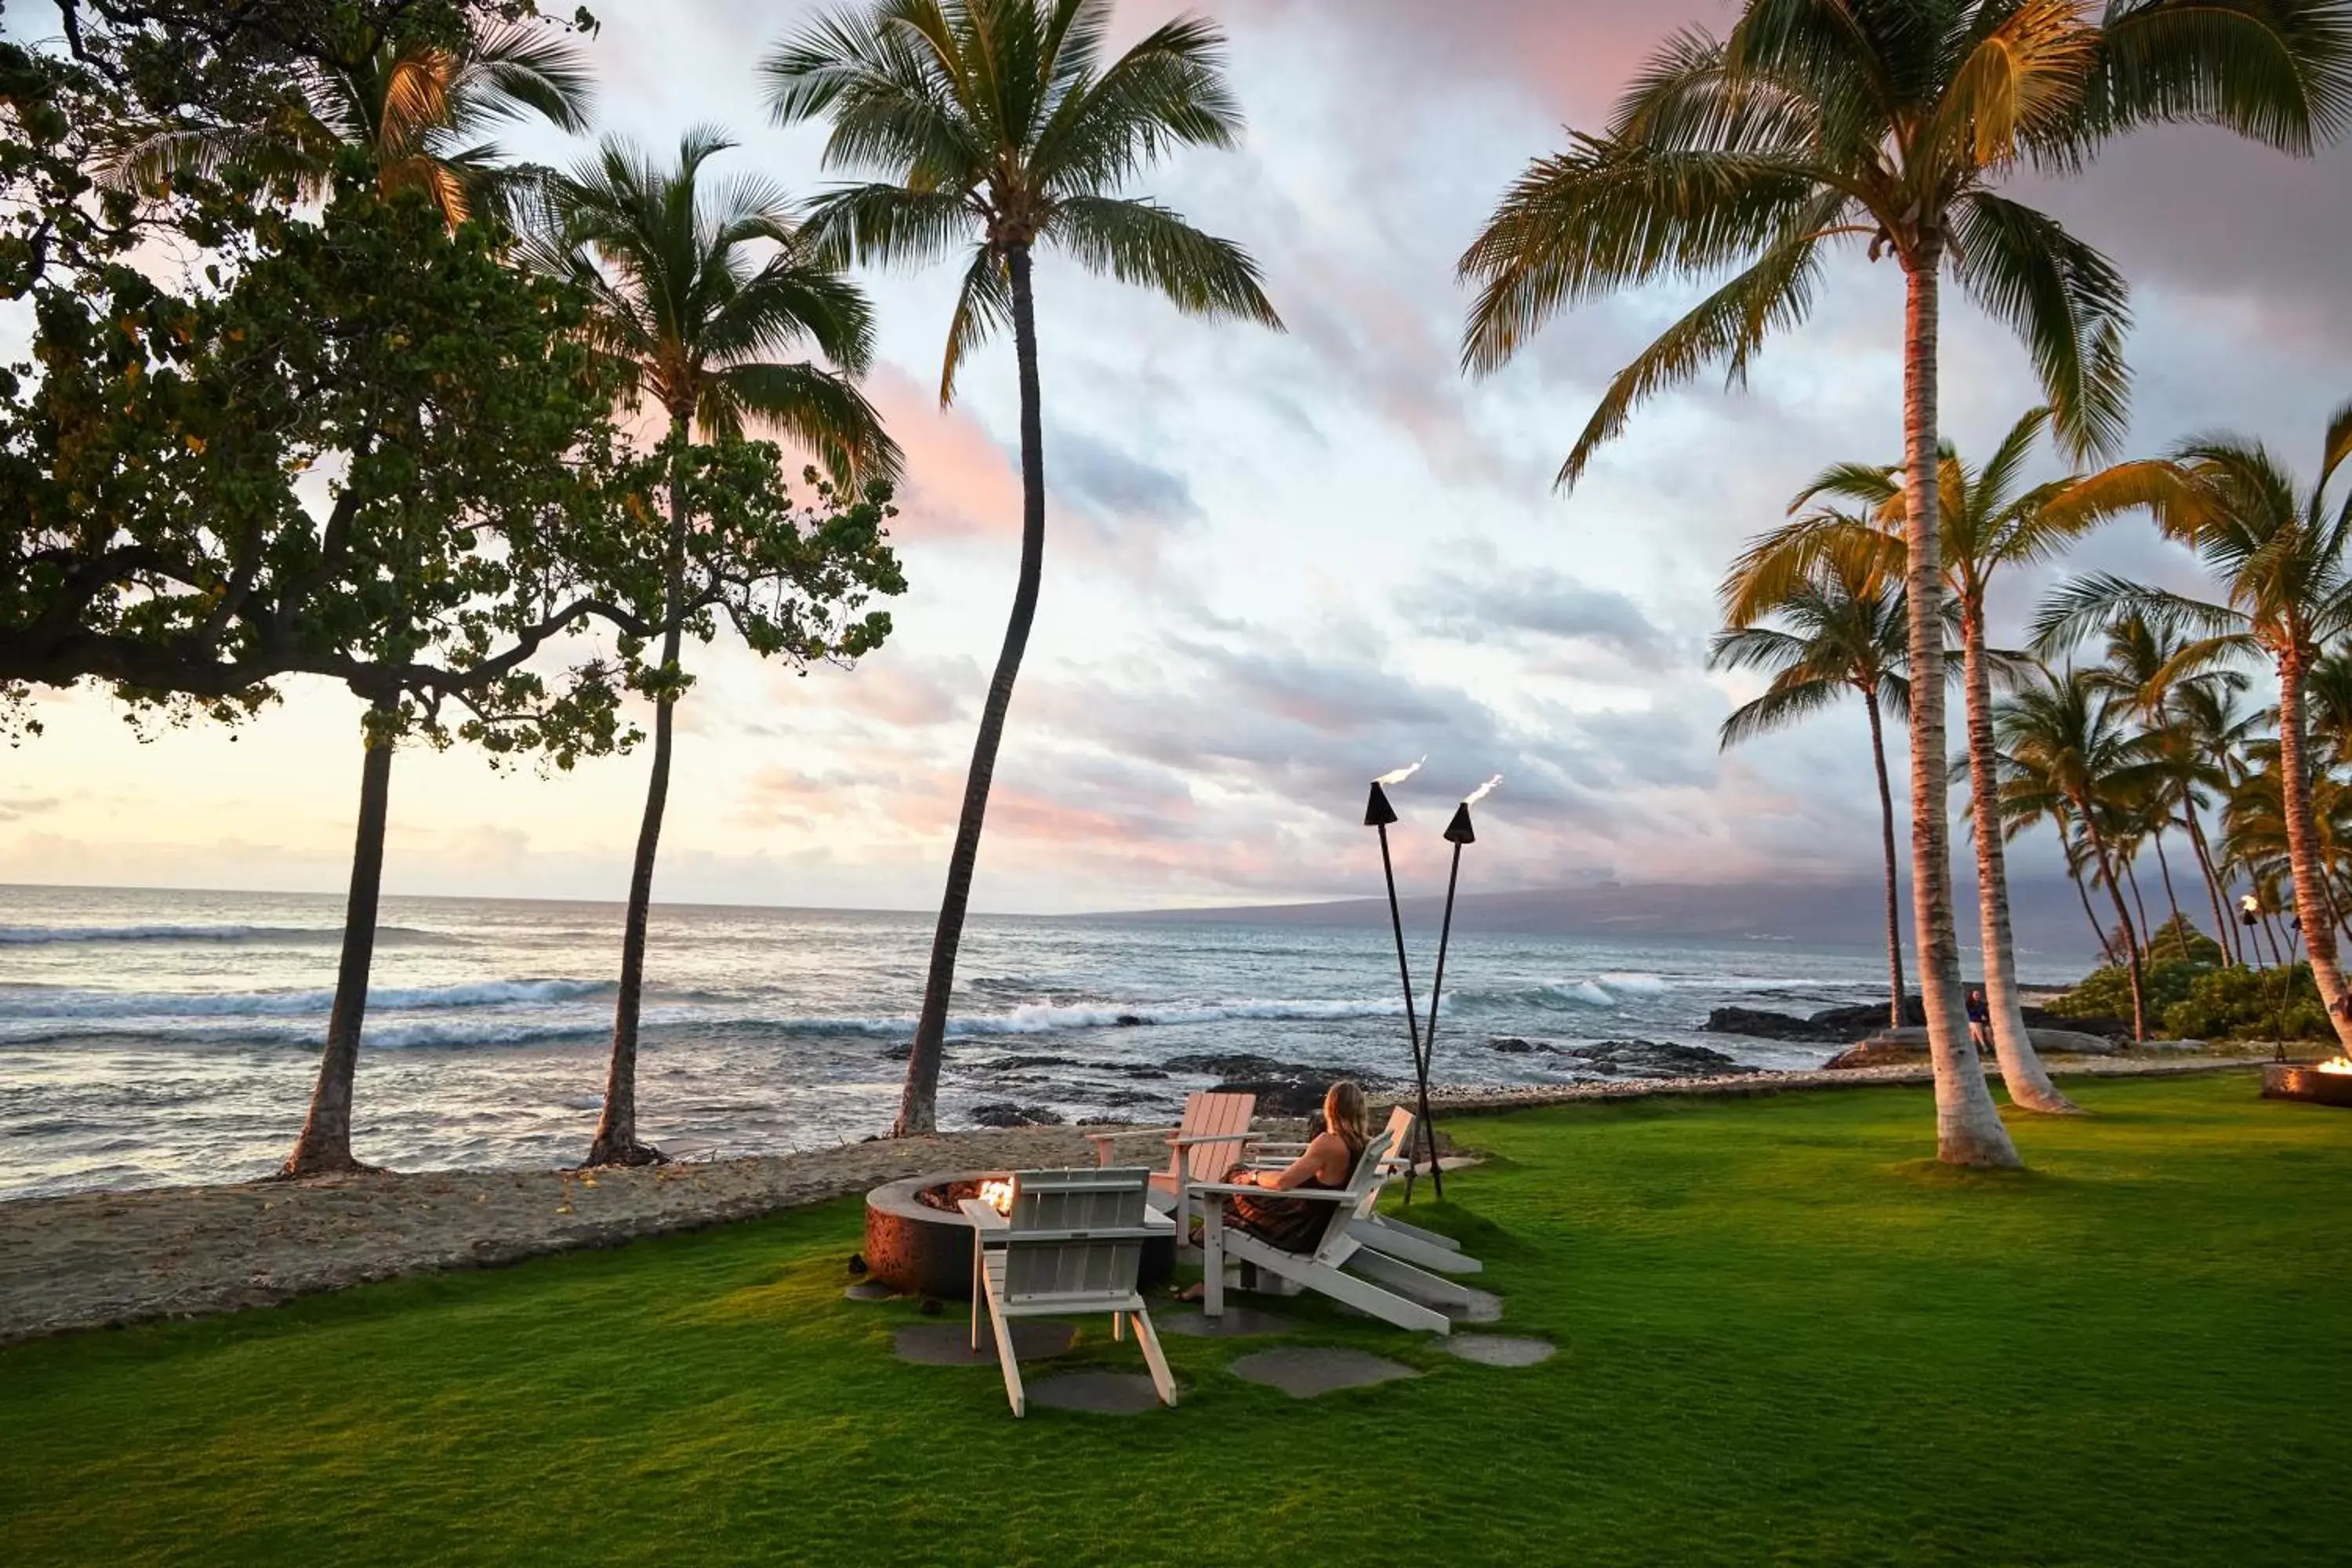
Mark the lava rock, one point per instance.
(900, 1052)
(1511, 1044)
(1282, 1088)
(1655, 1058)
(1005, 1113)
(1128, 1021)
(1757, 1024)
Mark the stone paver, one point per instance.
(869, 1290)
(1500, 1349)
(1238, 1322)
(949, 1344)
(1095, 1392)
(1306, 1372)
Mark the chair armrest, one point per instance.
(984, 1216)
(1321, 1195)
(1213, 1137)
(1098, 1139)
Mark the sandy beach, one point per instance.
(96, 1260)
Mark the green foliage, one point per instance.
(2178, 941)
(2105, 993)
(2251, 1004)
(710, 1397)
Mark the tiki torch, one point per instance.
(1458, 832)
(1379, 814)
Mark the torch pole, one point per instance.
(1405, 976)
(1429, 1036)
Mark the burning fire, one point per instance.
(1401, 775)
(2339, 1065)
(1483, 790)
(997, 1194)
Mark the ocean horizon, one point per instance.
(154, 1036)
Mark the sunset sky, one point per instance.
(1277, 564)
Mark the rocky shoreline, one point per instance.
(100, 1259)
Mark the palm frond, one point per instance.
(1141, 242)
(2063, 298)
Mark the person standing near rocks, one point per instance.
(1980, 1020)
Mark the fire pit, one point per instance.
(2321, 1083)
(918, 1241)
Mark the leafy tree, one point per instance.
(2064, 744)
(1841, 629)
(2280, 553)
(998, 128)
(1894, 123)
(686, 313)
(1989, 520)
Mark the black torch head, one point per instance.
(1378, 812)
(1459, 831)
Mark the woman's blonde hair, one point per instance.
(1343, 1111)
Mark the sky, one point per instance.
(1277, 564)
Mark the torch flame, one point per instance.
(1401, 775)
(1483, 790)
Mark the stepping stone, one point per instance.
(1307, 1372)
(1095, 1392)
(869, 1290)
(1237, 1323)
(1500, 1349)
(949, 1344)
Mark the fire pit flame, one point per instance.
(997, 1196)
(2340, 1066)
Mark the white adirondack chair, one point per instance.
(1214, 1138)
(1073, 1243)
(1340, 1266)
(1386, 1233)
(1389, 1234)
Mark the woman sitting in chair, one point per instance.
(1295, 1225)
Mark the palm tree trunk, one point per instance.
(2106, 948)
(2147, 932)
(325, 1144)
(2020, 1065)
(2225, 930)
(616, 1130)
(2179, 922)
(1886, 838)
(2302, 859)
(1968, 1123)
(2131, 937)
(918, 1100)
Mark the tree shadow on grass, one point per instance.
(1934, 1175)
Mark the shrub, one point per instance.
(2107, 993)
(2251, 1003)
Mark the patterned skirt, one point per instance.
(1293, 1224)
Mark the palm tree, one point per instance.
(1989, 520)
(1891, 122)
(2156, 674)
(694, 318)
(2218, 731)
(1841, 629)
(2065, 746)
(997, 128)
(419, 109)
(2280, 554)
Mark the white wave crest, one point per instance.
(1634, 984)
(39, 936)
(45, 1003)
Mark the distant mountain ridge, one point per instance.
(2045, 914)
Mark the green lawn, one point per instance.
(1784, 1338)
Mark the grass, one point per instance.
(1784, 1338)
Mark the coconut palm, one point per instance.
(2218, 731)
(1990, 519)
(2067, 750)
(2155, 674)
(698, 288)
(419, 108)
(1841, 629)
(2280, 557)
(1892, 123)
(997, 128)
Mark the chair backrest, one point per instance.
(1076, 1237)
(1400, 1158)
(1362, 1181)
(1209, 1114)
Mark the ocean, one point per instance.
(151, 1037)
